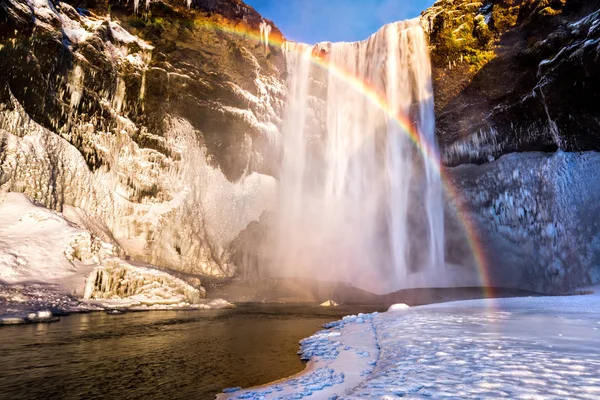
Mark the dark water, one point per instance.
(157, 355)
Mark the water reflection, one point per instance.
(168, 354)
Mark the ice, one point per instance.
(49, 263)
(516, 348)
(398, 307)
(119, 280)
(265, 31)
(329, 303)
(535, 212)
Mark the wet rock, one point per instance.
(515, 76)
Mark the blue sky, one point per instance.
(312, 21)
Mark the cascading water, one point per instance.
(358, 201)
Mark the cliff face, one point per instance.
(515, 75)
(157, 125)
(514, 78)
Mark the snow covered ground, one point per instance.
(50, 263)
(516, 348)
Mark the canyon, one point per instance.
(163, 129)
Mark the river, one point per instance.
(158, 354)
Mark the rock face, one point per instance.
(156, 125)
(154, 128)
(520, 76)
(515, 75)
(536, 216)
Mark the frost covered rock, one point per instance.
(398, 307)
(160, 145)
(329, 303)
(117, 280)
(535, 215)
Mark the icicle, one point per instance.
(143, 89)
(265, 30)
(75, 86)
(119, 97)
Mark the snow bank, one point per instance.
(47, 262)
(398, 307)
(525, 348)
(39, 245)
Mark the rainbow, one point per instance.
(429, 153)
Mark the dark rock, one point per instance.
(533, 86)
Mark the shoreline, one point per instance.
(59, 304)
(591, 294)
(26, 317)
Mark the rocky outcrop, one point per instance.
(153, 123)
(515, 75)
(535, 217)
(514, 78)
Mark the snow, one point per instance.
(35, 243)
(121, 35)
(398, 307)
(47, 261)
(340, 357)
(515, 348)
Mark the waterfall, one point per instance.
(358, 201)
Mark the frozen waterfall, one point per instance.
(358, 200)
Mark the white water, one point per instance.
(357, 201)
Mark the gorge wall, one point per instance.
(516, 76)
(151, 125)
(157, 127)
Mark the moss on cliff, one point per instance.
(527, 82)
